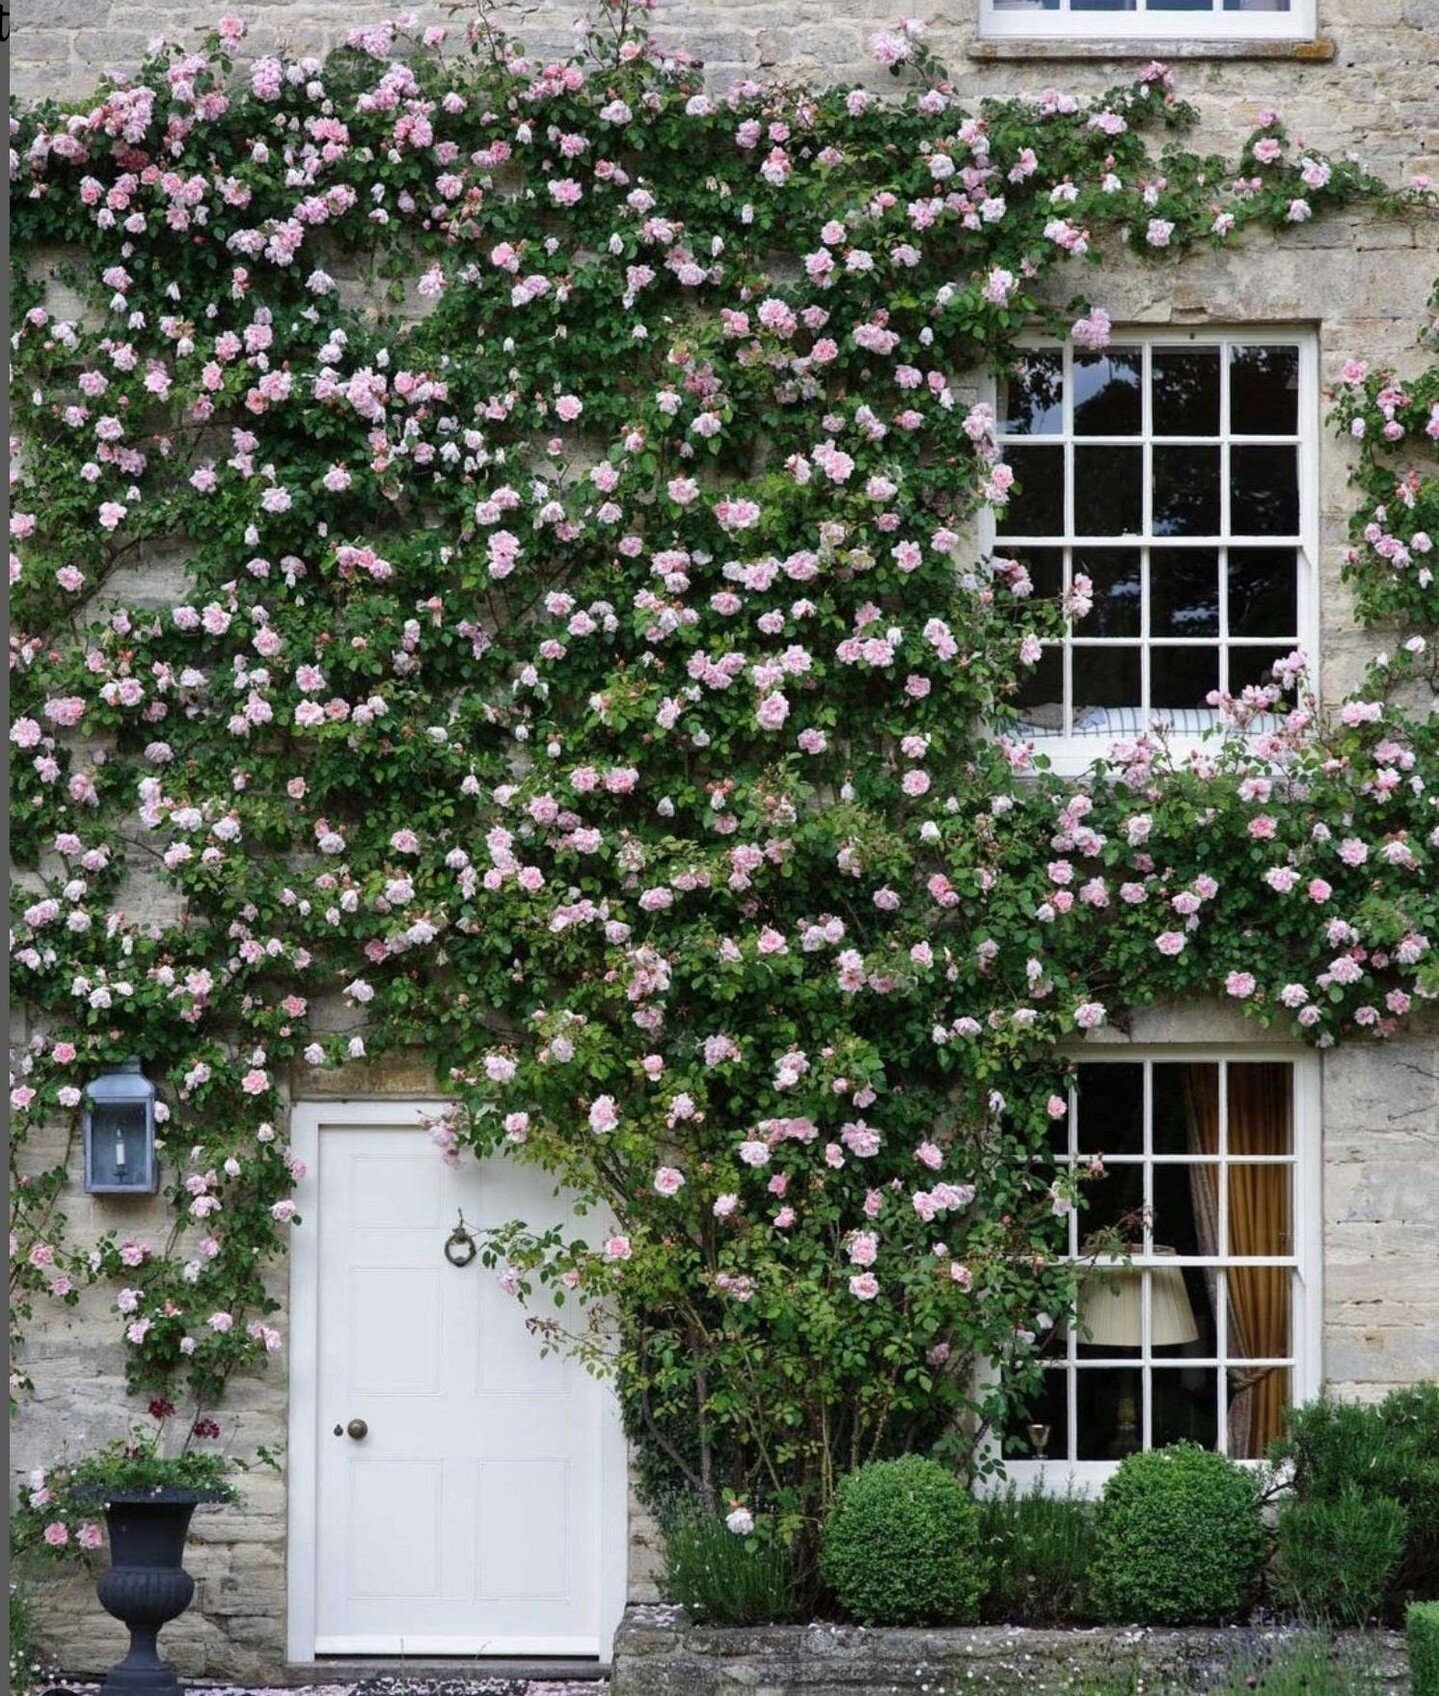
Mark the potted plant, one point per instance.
(148, 1497)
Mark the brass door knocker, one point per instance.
(460, 1246)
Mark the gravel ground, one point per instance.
(386, 1686)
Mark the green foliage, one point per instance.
(1336, 1557)
(1421, 1633)
(725, 1577)
(1311, 1666)
(583, 683)
(1385, 1451)
(1178, 1539)
(26, 1671)
(903, 1545)
(1040, 1550)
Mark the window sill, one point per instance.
(1318, 51)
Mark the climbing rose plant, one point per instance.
(579, 667)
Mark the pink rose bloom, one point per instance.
(668, 1181)
(1089, 1015)
(864, 1249)
(1240, 985)
(864, 1286)
(1318, 891)
(56, 1534)
(1170, 942)
(617, 1248)
(89, 1536)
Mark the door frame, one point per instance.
(307, 1120)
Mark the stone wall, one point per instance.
(1362, 283)
(659, 1653)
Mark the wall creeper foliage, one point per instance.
(580, 674)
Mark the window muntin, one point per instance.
(1243, 20)
(1206, 1332)
(1176, 473)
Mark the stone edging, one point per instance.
(659, 1652)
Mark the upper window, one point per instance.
(1240, 20)
(1210, 1176)
(1174, 475)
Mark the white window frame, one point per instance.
(1034, 24)
(1306, 1363)
(1070, 754)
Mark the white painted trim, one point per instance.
(1037, 25)
(302, 1642)
(511, 1647)
(1087, 1477)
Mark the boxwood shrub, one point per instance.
(902, 1546)
(1178, 1539)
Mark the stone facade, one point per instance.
(659, 1653)
(1360, 283)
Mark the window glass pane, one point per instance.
(1111, 1109)
(1257, 5)
(1256, 1402)
(1260, 1210)
(1264, 391)
(1032, 395)
(1185, 391)
(1109, 1313)
(1109, 1410)
(1045, 567)
(1186, 1107)
(1182, 678)
(1263, 491)
(1041, 1430)
(1107, 392)
(1260, 1100)
(1263, 592)
(1182, 1308)
(1036, 504)
(1026, 5)
(1184, 592)
(1104, 677)
(1114, 1202)
(1115, 574)
(1254, 668)
(1108, 491)
(1185, 1208)
(1260, 1303)
(1185, 1407)
(1186, 491)
(1039, 700)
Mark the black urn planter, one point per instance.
(146, 1585)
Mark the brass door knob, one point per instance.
(357, 1429)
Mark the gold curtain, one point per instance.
(1260, 1222)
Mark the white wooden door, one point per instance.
(470, 1517)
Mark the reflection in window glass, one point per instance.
(1109, 392)
(1032, 398)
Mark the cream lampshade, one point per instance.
(1110, 1307)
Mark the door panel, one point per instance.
(468, 1519)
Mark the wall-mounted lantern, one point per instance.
(120, 1133)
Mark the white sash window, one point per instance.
(1157, 20)
(1208, 1327)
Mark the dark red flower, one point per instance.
(161, 1408)
(205, 1428)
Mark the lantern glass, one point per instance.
(120, 1134)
